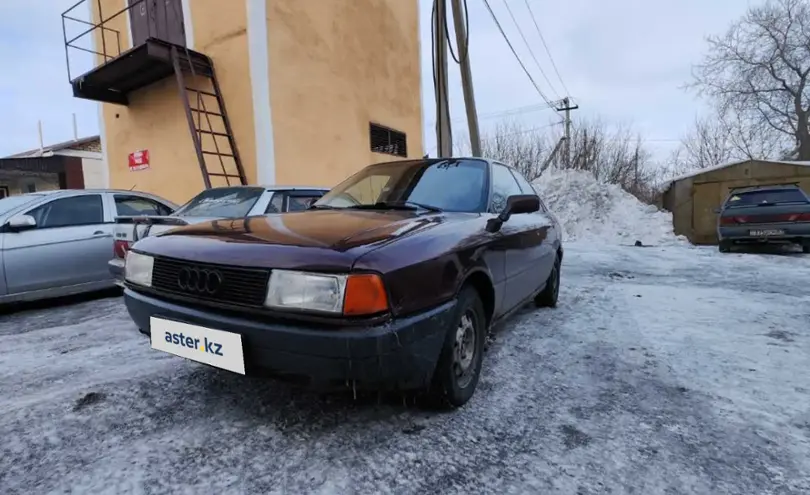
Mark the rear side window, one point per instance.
(135, 205)
(769, 197)
(300, 203)
(286, 202)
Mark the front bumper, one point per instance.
(793, 233)
(116, 267)
(400, 354)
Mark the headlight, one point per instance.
(350, 295)
(306, 291)
(138, 268)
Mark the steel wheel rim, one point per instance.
(464, 349)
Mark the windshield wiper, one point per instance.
(424, 206)
(395, 205)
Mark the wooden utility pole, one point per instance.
(567, 108)
(462, 42)
(444, 136)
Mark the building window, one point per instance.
(388, 141)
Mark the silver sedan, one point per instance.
(58, 243)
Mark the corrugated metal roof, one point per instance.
(702, 171)
(55, 147)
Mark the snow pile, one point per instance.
(593, 211)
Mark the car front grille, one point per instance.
(208, 282)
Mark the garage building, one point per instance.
(693, 198)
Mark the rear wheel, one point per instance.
(724, 247)
(806, 248)
(459, 366)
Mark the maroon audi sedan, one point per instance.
(390, 281)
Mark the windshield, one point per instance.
(11, 202)
(768, 197)
(224, 202)
(448, 185)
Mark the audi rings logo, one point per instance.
(199, 280)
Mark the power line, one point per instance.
(531, 52)
(548, 52)
(458, 58)
(512, 48)
(537, 107)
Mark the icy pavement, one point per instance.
(664, 370)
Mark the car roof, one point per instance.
(772, 187)
(295, 188)
(135, 191)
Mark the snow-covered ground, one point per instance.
(664, 370)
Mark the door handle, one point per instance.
(98, 232)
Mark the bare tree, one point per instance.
(708, 143)
(758, 74)
(613, 154)
(523, 148)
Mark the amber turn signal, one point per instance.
(365, 295)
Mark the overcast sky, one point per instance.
(622, 60)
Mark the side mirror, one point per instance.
(521, 203)
(21, 222)
(515, 205)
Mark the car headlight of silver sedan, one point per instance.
(138, 268)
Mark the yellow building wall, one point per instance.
(335, 66)
(155, 119)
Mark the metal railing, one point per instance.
(152, 9)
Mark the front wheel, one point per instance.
(459, 366)
(548, 297)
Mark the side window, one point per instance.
(503, 186)
(136, 205)
(527, 188)
(301, 203)
(285, 202)
(68, 212)
(276, 203)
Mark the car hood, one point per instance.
(195, 220)
(308, 240)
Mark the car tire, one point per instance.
(724, 247)
(459, 366)
(547, 298)
(806, 248)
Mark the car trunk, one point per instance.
(130, 229)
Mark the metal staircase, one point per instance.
(208, 121)
(158, 52)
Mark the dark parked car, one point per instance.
(766, 214)
(391, 280)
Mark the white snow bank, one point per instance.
(591, 210)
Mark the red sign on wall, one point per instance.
(139, 160)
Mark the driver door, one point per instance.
(70, 245)
(511, 240)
